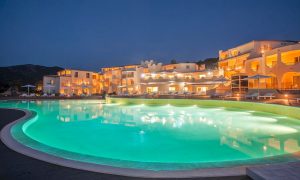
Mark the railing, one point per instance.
(188, 80)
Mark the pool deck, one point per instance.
(285, 102)
(286, 171)
(17, 166)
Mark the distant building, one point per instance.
(278, 59)
(179, 78)
(73, 82)
(122, 79)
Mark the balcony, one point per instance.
(180, 80)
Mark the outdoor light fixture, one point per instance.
(286, 95)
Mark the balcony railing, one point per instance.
(178, 80)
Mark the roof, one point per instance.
(179, 63)
(259, 41)
(77, 70)
(120, 66)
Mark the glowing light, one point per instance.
(265, 148)
(286, 95)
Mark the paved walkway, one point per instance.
(284, 171)
(17, 166)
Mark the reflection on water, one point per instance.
(241, 134)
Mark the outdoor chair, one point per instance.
(268, 95)
(23, 95)
(252, 96)
(228, 95)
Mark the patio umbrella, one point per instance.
(28, 86)
(49, 86)
(258, 77)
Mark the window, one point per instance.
(172, 89)
(202, 76)
(152, 89)
(188, 66)
(76, 74)
(131, 82)
(87, 75)
(94, 76)
(234, 53)
(297, 59)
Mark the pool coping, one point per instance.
(13, 144)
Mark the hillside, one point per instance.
(210, 63)
(16, 76)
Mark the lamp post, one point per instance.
(287, 98)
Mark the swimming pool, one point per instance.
(158, 137)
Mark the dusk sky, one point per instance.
(92, 34)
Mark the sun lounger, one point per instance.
(187, 93)
(268, 95)
(228, 94)
(217, 95)
(252, 96)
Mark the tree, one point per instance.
(210, 63)
(173, 61)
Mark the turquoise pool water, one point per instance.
(156, 137)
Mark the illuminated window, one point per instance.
(68, 72)
(87, 75)
(76, 74)
(296, 81)
(202, 76)
(172, 89)
(234, 53)
(271, 61)
(152, 89)
(290, 57)
(254, 65)
(201, 89)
